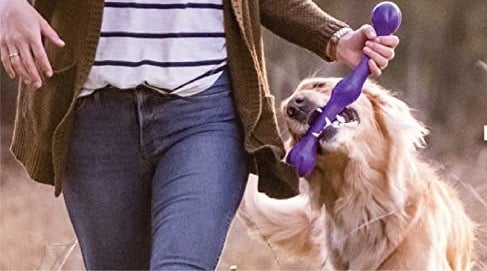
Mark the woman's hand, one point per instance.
(21, 49)
(364, 40)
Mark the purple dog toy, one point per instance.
(386, 18)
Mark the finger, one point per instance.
(386, 52)
(368, 31)
(6, 61)
(377, 58)
(18, 65)
(30, 65)
(50, 34)
(41, 57)
(374, 69)
(389, 41)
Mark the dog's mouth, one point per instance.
(348, 118)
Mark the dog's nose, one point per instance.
(296, 106)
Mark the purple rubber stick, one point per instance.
(386, 19)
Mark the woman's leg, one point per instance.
(107, 185)
(199, 180)
(196, 146)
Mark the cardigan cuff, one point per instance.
(320, 43)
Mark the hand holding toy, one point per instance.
(386, 19)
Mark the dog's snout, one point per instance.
(294, 106)
(298, 107)
(291, 111)
(298, 100)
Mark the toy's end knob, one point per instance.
(386, 18)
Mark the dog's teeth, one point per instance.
(337, 124)
(328, 122)
(316, 135)
(319, 109)
(340, 119)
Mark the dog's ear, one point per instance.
(397, 120)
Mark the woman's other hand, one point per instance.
(21, 49)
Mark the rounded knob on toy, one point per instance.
(303, 155)
(386, 18)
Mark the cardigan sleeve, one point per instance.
(301, 22)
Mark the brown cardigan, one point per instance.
(44, 117)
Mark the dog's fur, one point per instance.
(371, 202)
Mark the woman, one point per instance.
(151, 114)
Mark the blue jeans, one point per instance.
(154, 181)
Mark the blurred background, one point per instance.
(440, 69)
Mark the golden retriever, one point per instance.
(371, 202)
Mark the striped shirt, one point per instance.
(172, 46)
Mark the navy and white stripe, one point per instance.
(178, 46)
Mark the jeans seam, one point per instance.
(143, 153)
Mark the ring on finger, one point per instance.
(12, 55)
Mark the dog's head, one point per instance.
(375, 121)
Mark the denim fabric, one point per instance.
(154, 181)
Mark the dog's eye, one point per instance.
(318, 85)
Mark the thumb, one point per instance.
(368, 31)
(50, 34)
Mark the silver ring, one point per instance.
(13, 55)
